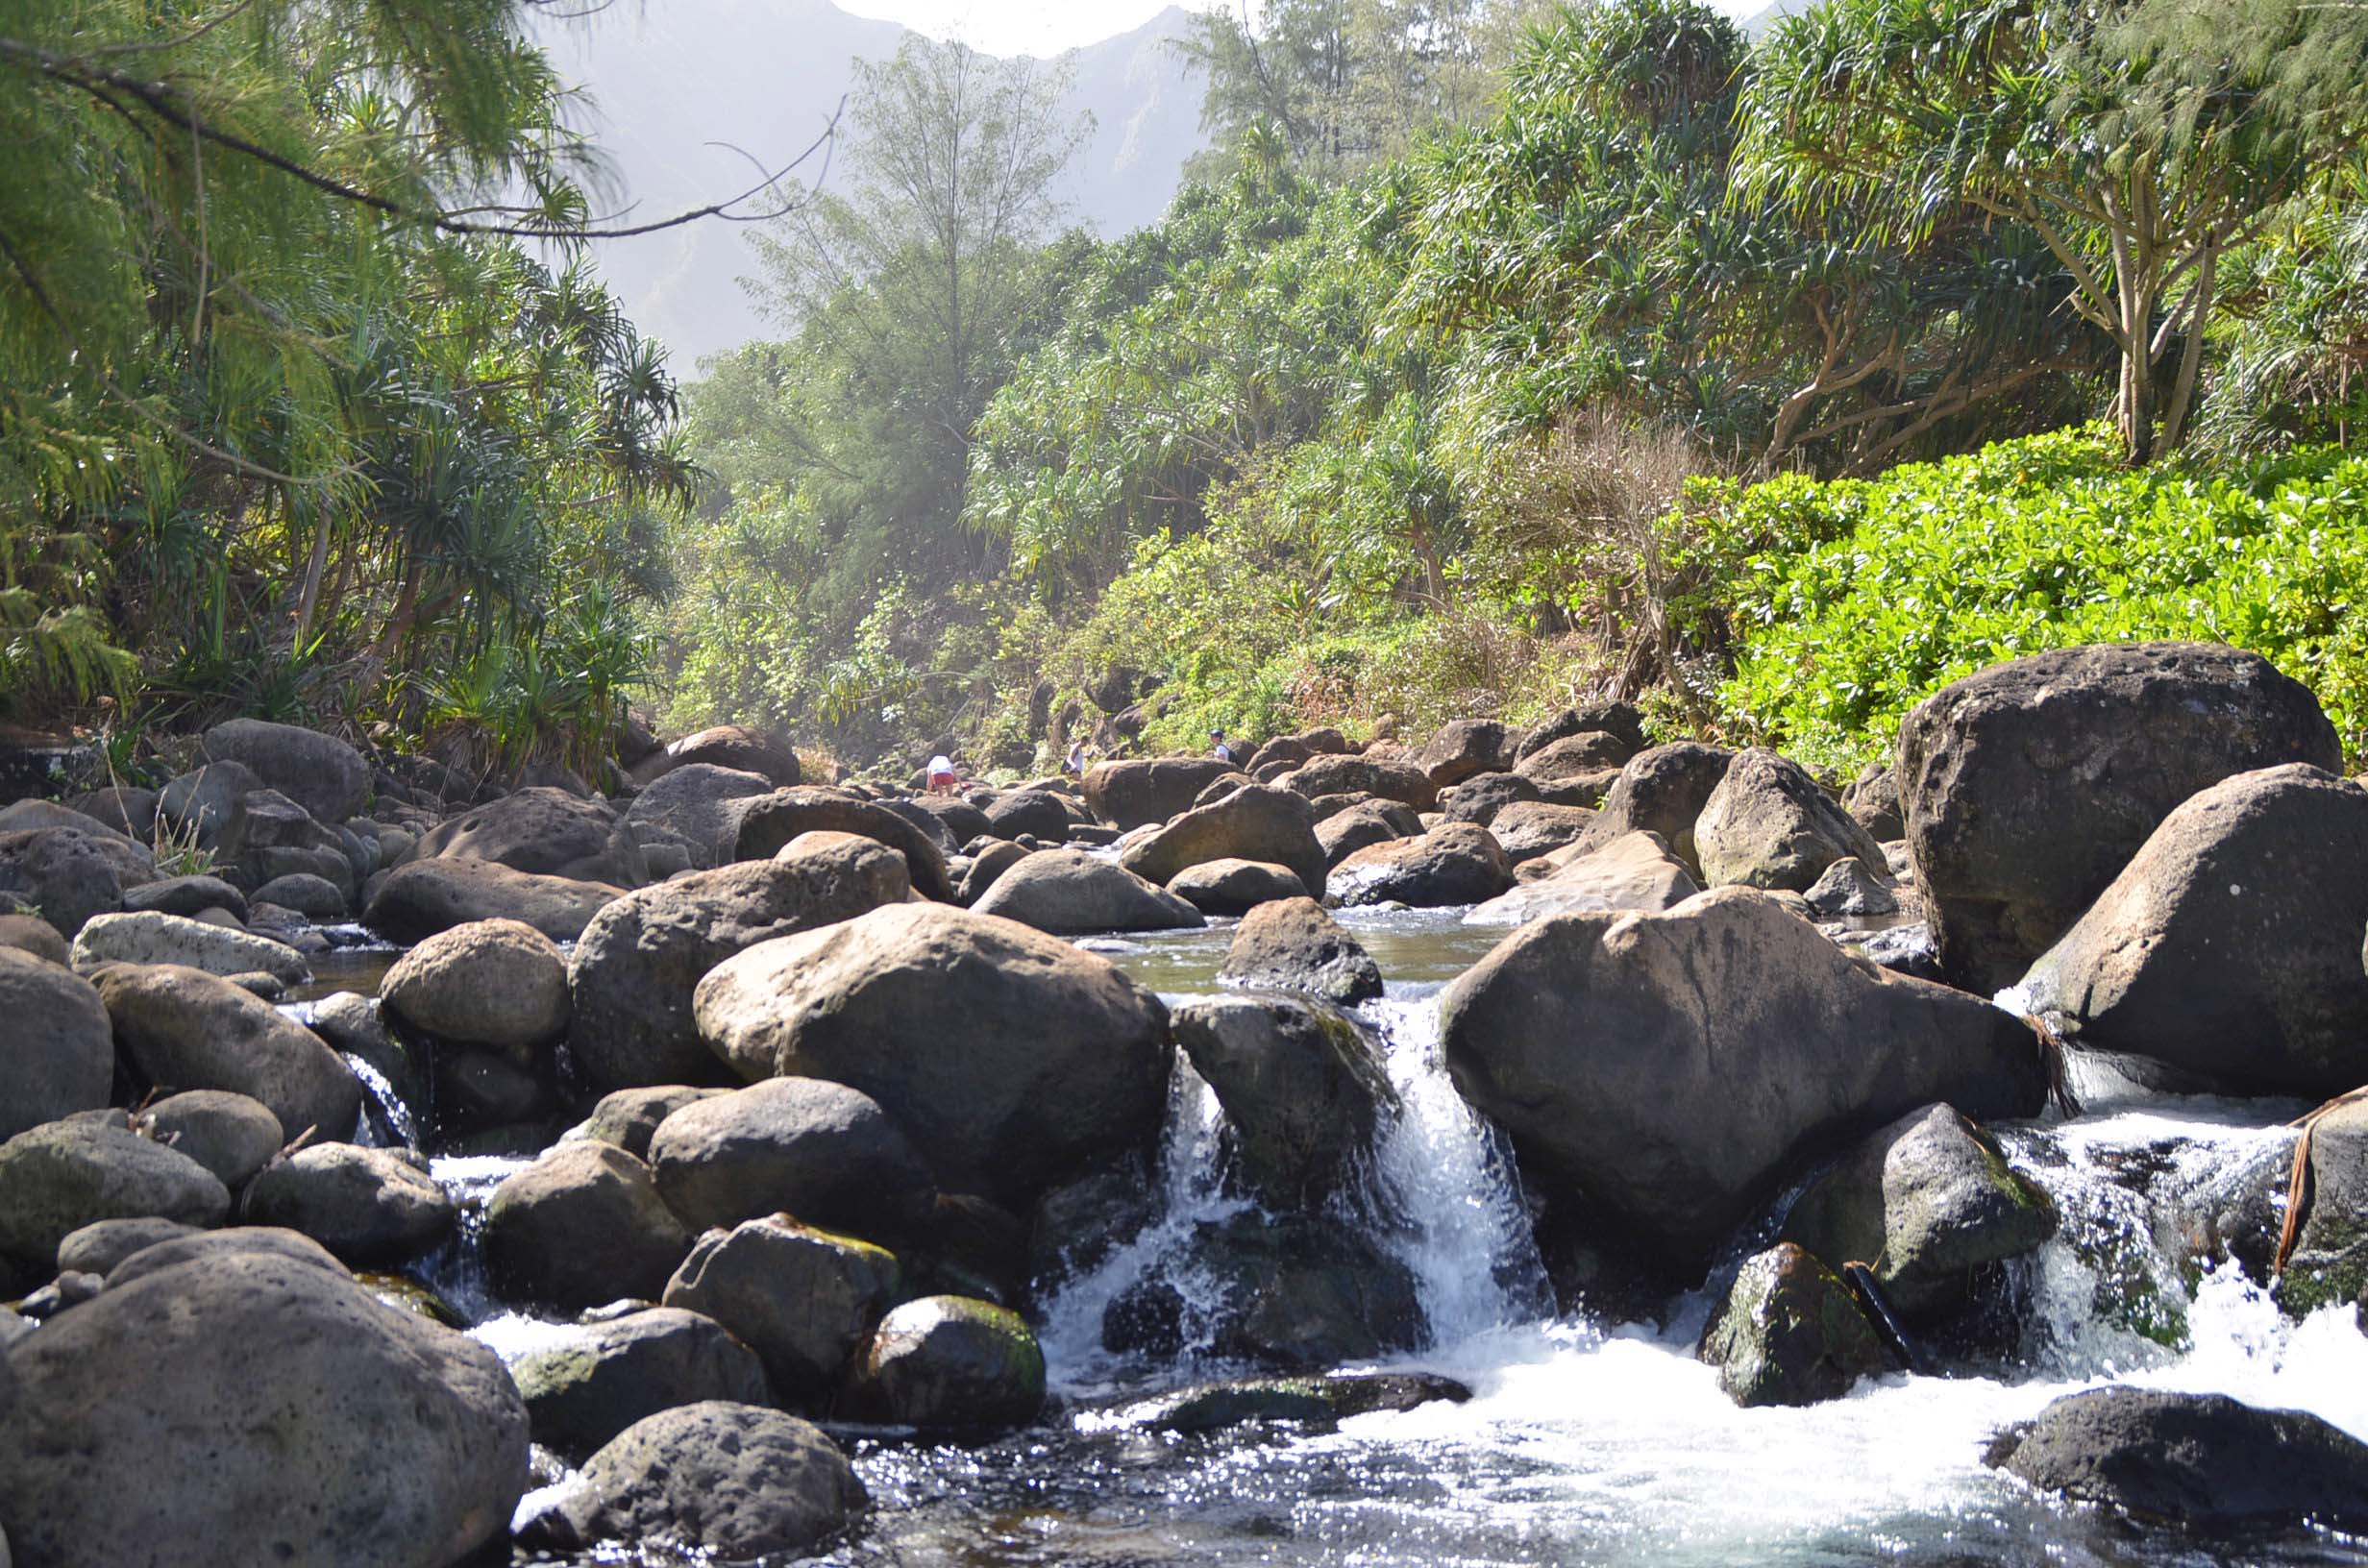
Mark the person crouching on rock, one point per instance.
(943, 779)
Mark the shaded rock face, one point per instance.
(1480, 797)
(1235, 887)
(2229, 945)
(1667, 1070)
(1925, 1201)
(1010, 1058)
(320, 773)
(1872, 800)
(1295, 1295)
(426, 896)
(63, 872)
(1362, 826)
(1033, 811)
(188, 896)
(58, 1178)
(951, 1364)
(296, 1386)
(802, 1299)
(606, 1376)
(1130, 794)
(1767, 824)
(1850, 887)
(736, 1480)
(735, 746)
(629, 1117)
(1789, 1333)
(1332, 774)
(1464, 747)
(60, 1053)
(32, 934)
(2028, 786)
(642, 957)
(1662, 791)
(366, 1206)
(1304, 1090)
(1259, 824)
(172, 939)
(820, 1151)
(1618, 719)
(2198, 1459)
(986, 868)
(544, 832)
(769, 823)
(2330, 1264)
(1292, 944)
(694, 804)
(1453, 864)
(180, 1028)
(1069, 892)
(1584, 755)
(1633, 872)
(581, 1226)
(102, 1243)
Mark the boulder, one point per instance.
(127, 809)
(208, 1246)
(1297, 1293)
(320, 773)
(1924, 1202)
(1768, 825)
(497, 983)
(1294, 946)
(2030, 785)
(734, 747)
(181, 1028)
(356, 1027)
(230, 1135)
(208, 806)
(820, 1151)
(369, 1206)
(1009, 1057)
(32, 935)
(1618, 719)
(64, 874)
(1072, 893)
(59, 1177)
(1480, 797)
(951, 1364)
(1464, 747)
(629, 1117)
(60, 1052)
(1633, 872)
(986, 868)
(185, 895)
(2201, 1460)
(426, 896)
(1670, 1070)
(581, 1226)
(1789, 1333)
(336, 1433)
(1221, 786)
(315, 898)
(102, 1243)
(1235, 887)
(1872, 800)
(1334, 774)
(1453, 864)
(804, 1300)
(604, 1377)
(1129, 795)
(1588, 754)
(1303, 1088)
(191, 944)
(1310, 1403)
(544, 833)
(1662, 791)
(1256, 823)
(1851, 888)
(769, 822)
(1032, 812)
(697, 805)
(951, 820)
(730, 1482)
(2329, 1261)
(2229, 945)
(1362, 826)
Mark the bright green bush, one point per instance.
(1855, 600)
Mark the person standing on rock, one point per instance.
(1219, 748)
(1075, 767)
(943, 779)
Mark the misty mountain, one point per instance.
(670, 78)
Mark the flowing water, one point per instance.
(1600, 1442)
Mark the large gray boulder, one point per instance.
(1662, 791)
(1236, 887)
(2030, 785)
(1303, 1088)
(695, 804)
(629, 1117)
(733, 747)
(606, 1376)
(1332, 774)
(1009, 1057)
(153, 938)
(186, 896)
(730, 1482)
(820, 1151)
(1789, 1333)
(769, 823)
(582, 1226)
(32, 935)
(1293, 1292)
(1129, 794)
(1037, 813)
(2229, 945)
(58, 1178)
(1362, 825)
(642, 956)
(425, 897)
(63, 872)
(320, 773)
(1070, 893)
(1618, 719)
(1253, 823)
(335, 1432)
(802, 1299)
(1292, 944)
(1481, 797)
(181, 1028)
(230, 1135)
(1464, 747)
(545, 832)
(1633, 872)
(1668, 1071)
(1767, 824)
(369, 1206)
(1454, 863)
(2329, 1261)
(59, 1055)
(496, 983)
(951, 1364)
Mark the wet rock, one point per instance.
(173, 939)
(1335, 774)
(315, 898)
(1479, 799)
(1767, 824)
(1081, 1222)
(1789, 1333)
(1633, 872)
(544, 833)
(1258, 823)
(60, 1052)
(232, 1135)
(354, 1025)
(1464, 747)
(189, 896)
(641, 958)
(1304, 1090)
(1235, 887)
(2229, 945)
(817, 1150)
(629, 1117)
(497, 983)
(769, 822)
(1295, 1294)
(951, 1364)
(320, 773)
(366, 1206)
(606, 1376)
(735, 1480)
(62, 873)
(295, 1387)
(580, 1226)
(1317, 1404)
(1851, 887)
(30, 935)
(100, 1245)
(181, 1028)
(2030, 785)
(479, 1091)
(1070, 893)
(58, 1178)
(1292, 945)
(2195, 1460)
(1925, 1202)
(1360, 827)
(2330, 1263)
(426, 896)
(802, 1299)
(1009, 1057)
(696, 806)
(1872, 800)
(734, 747)
(1668, 1069)
(1453, 864)
(1129, 795)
